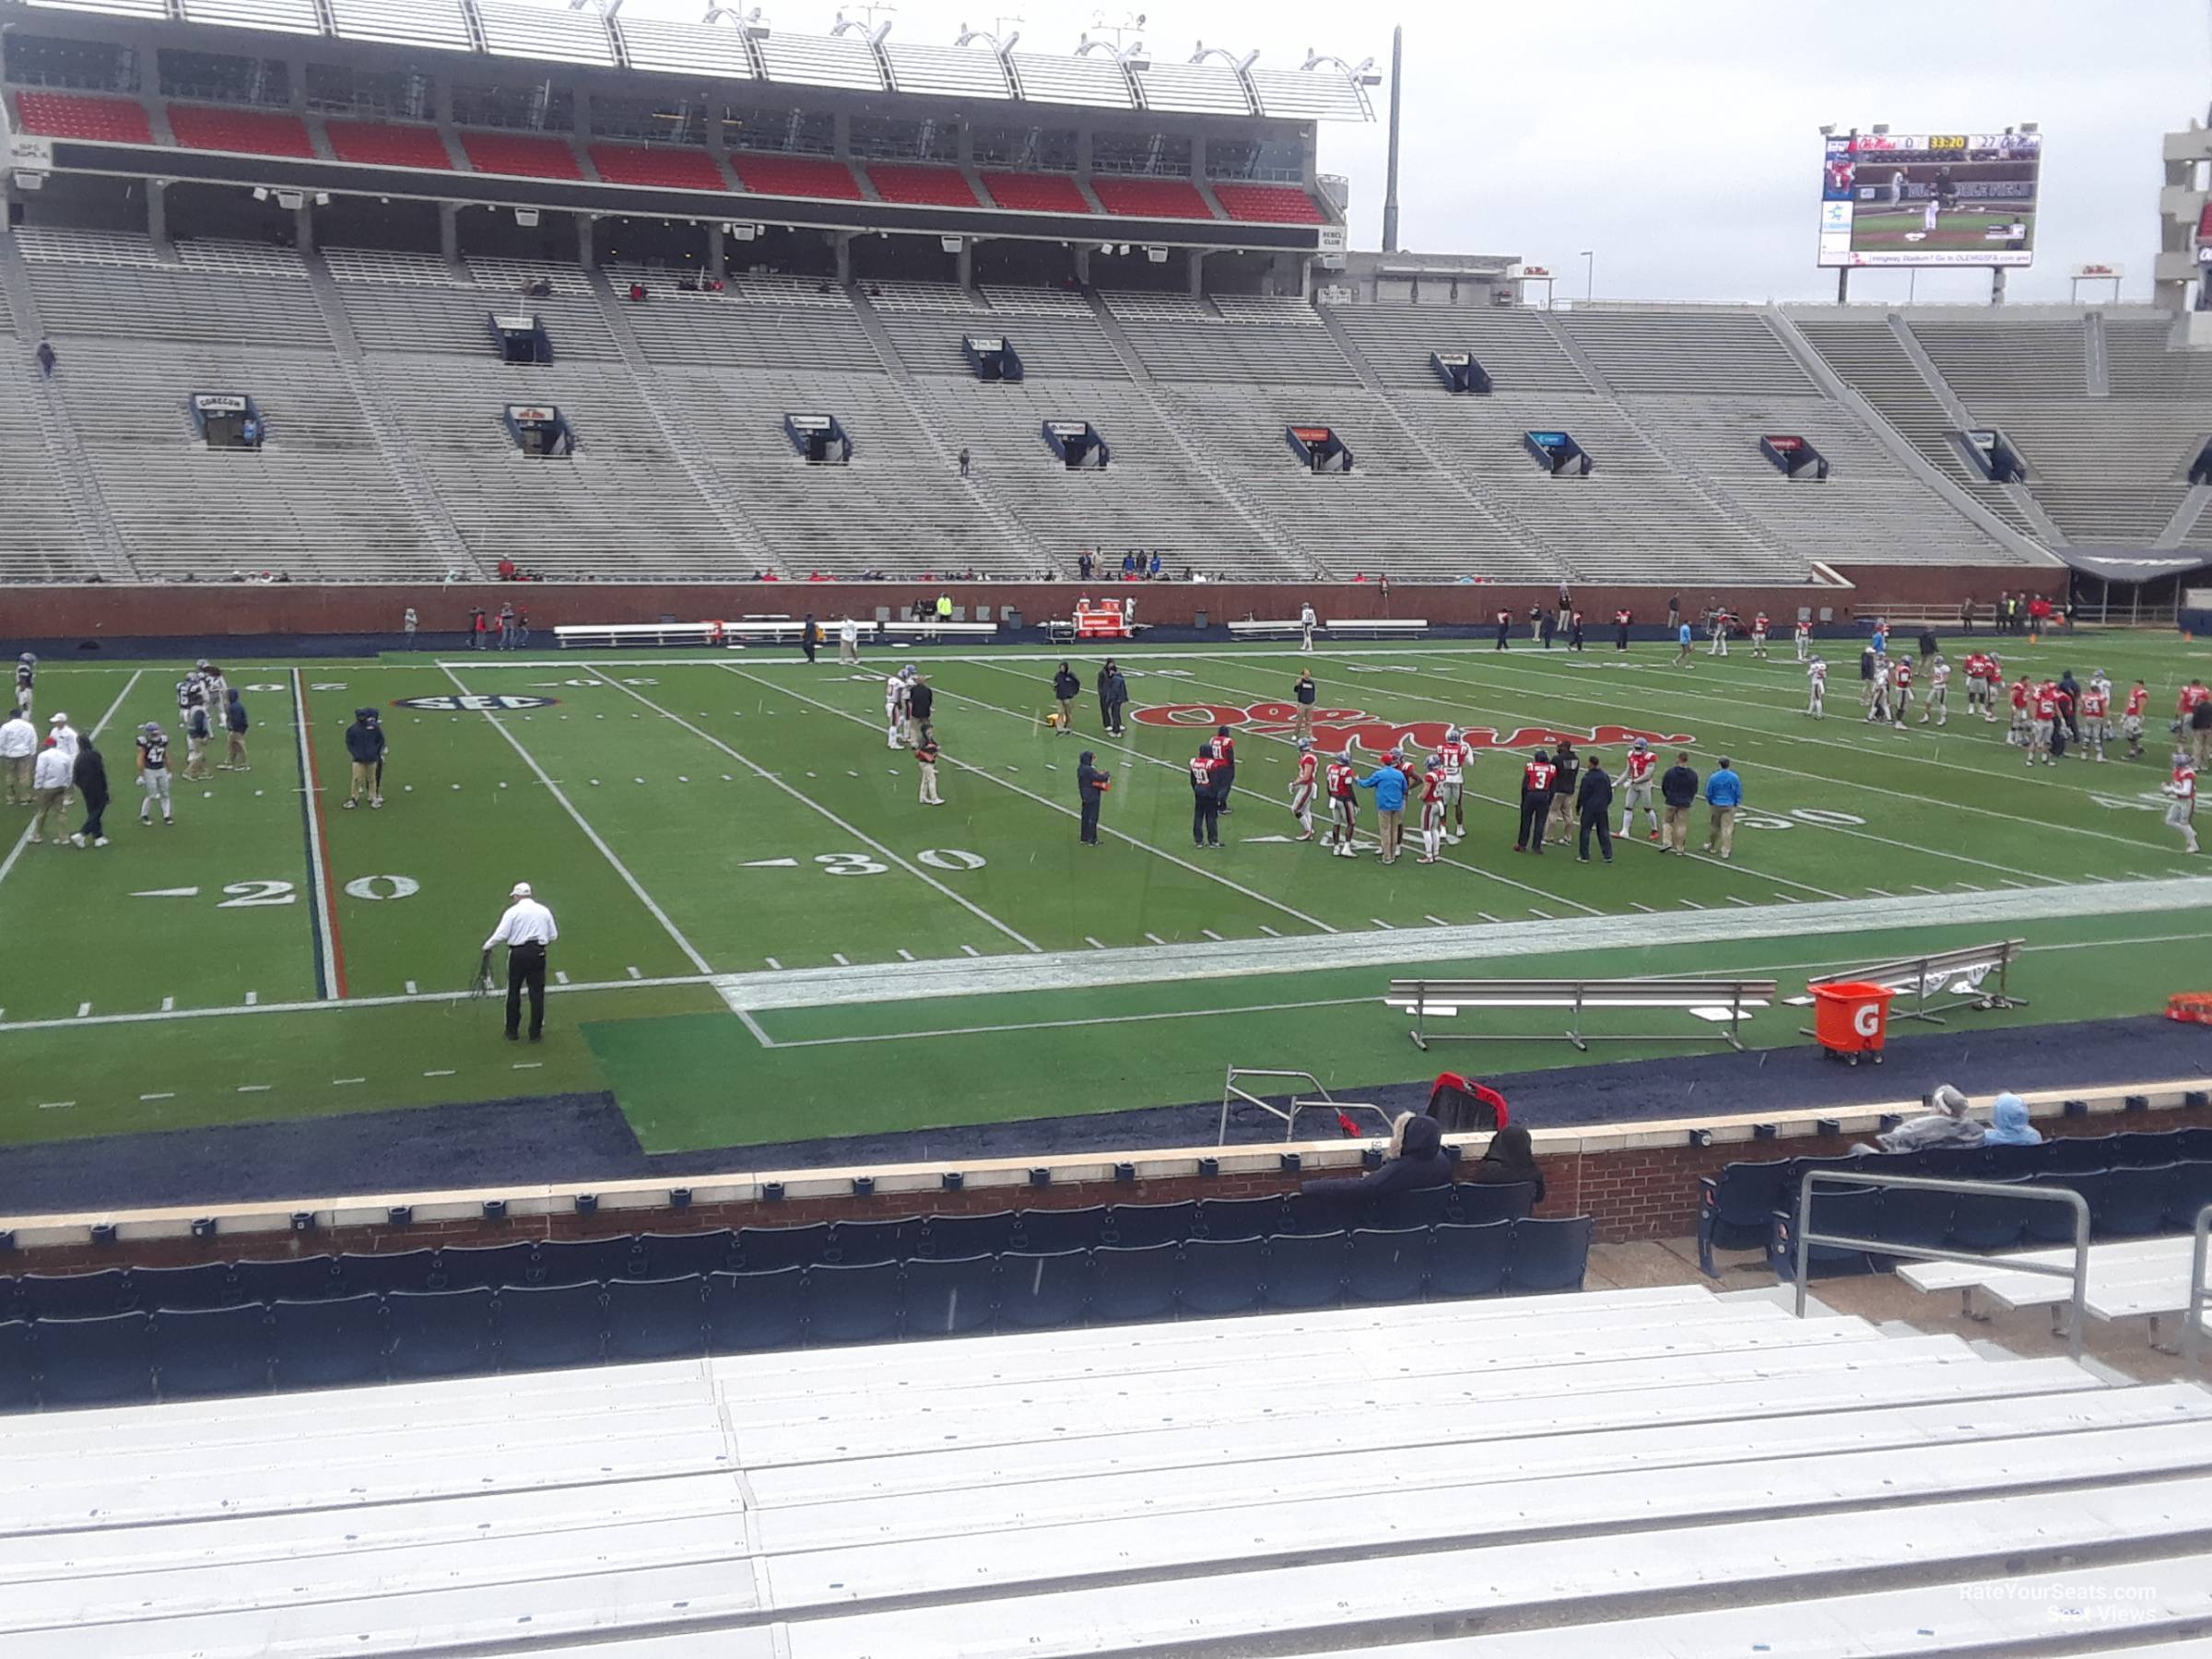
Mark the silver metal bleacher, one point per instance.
(1720, 1001)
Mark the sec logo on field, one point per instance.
(473, 704)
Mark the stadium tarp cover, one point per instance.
(2132, 564)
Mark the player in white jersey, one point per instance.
(1636, 788)
(1432, 785)
(1454, 755)
(1816, 679)
(1937, 703)
(1804, 642)
(894, 708)
(1719, 624)
(1307, 621)
(26, 679)
(1927, 216)
(1304, 787)
(2181, 789)
(1878, 701)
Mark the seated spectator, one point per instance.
(1510, 1161)
(1416, 1161)
(1947, 1125)
(2008, 1125)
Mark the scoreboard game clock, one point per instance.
(1930, 199)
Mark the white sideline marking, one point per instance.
(800, 795)
(23, 841)
(318, 858)
(52, 1105)
(596, 840)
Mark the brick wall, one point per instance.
(1634, 1193)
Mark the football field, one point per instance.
(765, 937)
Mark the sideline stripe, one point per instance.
(800, 795)
(621, 869)
(323, 927)
(23, 840)
(1313, 922)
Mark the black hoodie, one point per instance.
(90, 773)
(1090, 782)
(365, 738)
(1420, 1163)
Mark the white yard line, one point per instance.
(1063, 810)
(318, 857)
(801, 796)
(23, 840)
(596, 840)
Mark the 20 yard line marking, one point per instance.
(800, 795)
(23, 841)
(591, 834)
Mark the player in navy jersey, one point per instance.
(153, 772)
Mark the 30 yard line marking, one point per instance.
(800, 795)
(593, 835)
(23, 840)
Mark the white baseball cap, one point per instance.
(57, 718)
(521, 890)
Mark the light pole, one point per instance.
(1589, 273)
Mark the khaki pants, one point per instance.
(1303, 727)
(929, 786)
(1674, 832)
(1067, 715)
(1390, 830)
(19, 779)
(1562, 820)
(2200, 744)
(364, 780)
(52, 807)
(1723, 838)
(848, 650)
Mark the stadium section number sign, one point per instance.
(472, 702)
(1930, 198)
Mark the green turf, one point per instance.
(740, 814)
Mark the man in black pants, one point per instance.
(527, 930)
(1225, 767)
(1091, 786)
(1593, 803)
(1206, 798)
(810, 636)
(1535, 801)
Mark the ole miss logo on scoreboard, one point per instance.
(1337, 729)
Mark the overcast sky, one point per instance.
(1678, 138)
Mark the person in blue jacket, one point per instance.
(1723, 794)
(1686, 644)
(1389, 784)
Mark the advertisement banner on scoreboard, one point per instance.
(1929, 199)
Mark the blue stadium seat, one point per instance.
(380, 1275)
(951, 1237)
(750, 1312)
(2134, 1200)
(1042, 1290)
(293, 1278)
(1221, 1275)
(18, 1372)
(2068, 1154)
(2193, 1144)
(1240, 1217)
(1735, 1209)
(1133, 1281)
(1470, 1260)
(485, 1267)
(1425, 1207)
(1550, 1255)
(438, 1332)
(1050, 1232)
(212, 1351)
(587, 1261)
(2134, 1149)
(674, 1255)
(1305, 1270)
(1134, 1226)
(946, 1295)
(175, 1290)
(768, 1249)
(103, 1361)
(865, 1243)
(2192, 1190)
(2008, 1163)
(1386, 1264)
(857, 1303)
(1471, 1206)
(328, 1344)
(72, 1295)
(656, 1318)
(1853, 1212)
(1985, 1222)
(2053, 1224)
(545, 1326)
(1914, 1217)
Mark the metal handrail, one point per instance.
(1289, 1114)
(2192, 1328)
(2079, 1273)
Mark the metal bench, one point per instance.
(1720, 1001)
(1960, 974)
(1375, 628)
(1264, 630)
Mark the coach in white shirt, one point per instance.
(848, 641)
(18, 746)
(527, 930)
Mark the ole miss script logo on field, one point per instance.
(1337, 729)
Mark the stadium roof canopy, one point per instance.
(2132, 564)
(729, 48)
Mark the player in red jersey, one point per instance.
(2043, 717)
(1758, 635)
(1536, 779)
(2023, 714)
(2094, 712)
(2131, 720)
(1977, 688)
(1304, 788)
(1902, 675)
(1637, 778)
(2182, 788)
(1344, 806)
(1804, 642)
(1432, 811)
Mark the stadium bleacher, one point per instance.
(242, 132)
(385, 144)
